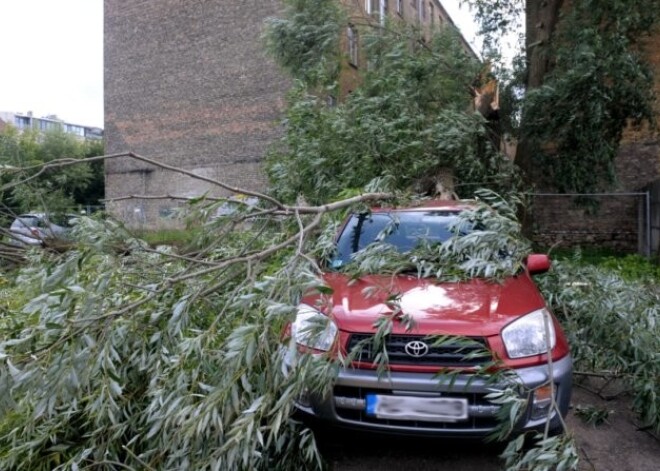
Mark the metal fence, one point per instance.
(618, 221)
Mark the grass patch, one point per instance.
(176, 237)
(589, 255)
(631, 267)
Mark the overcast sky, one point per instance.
(52, 56)
(463, 19)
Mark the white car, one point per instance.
(39, 228)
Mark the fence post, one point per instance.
(647, 248)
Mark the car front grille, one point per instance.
(450, 353)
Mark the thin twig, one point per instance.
(162, 197)
(130, 452)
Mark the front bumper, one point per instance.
(346, 405)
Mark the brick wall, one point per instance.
(187, 83)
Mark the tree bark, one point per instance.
(541, 21)
(541, 18)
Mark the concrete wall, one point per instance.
(187, 83)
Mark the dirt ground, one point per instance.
(617, 445)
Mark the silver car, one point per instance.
(37, 229)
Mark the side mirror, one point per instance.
(538, 263)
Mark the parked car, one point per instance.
(508, 318)
(40, 228)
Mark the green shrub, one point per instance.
(633, 267)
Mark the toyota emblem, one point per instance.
(416, 348)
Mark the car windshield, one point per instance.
(402, 229)
(26, 221)
(40, 221)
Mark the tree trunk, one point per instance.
(541, 21)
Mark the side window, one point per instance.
(26, 222)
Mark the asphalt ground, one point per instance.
(620, 444)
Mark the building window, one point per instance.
(73, 129)
(373, 7)
(399, 7)
(353, 52)
(22, 122)
(432, 14)
(422, 10)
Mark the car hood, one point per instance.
(472, 308)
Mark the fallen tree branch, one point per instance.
(66, 162)
(281, 208)
(162, 197)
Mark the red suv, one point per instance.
(509, 319)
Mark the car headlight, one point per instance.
(526, 336)
(313, 329)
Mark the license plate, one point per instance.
(427, 409)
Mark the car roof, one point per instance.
(43, 215)
(425, 205)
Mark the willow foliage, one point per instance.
(408, 122)
(596, 81)
(613, 326)
(305, 39)
(115, 356)
(118, 356)
(600, 84)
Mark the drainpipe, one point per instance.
(381, 12)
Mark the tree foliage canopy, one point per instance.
(593, 81)
(305, 41)
(409, 120)
(23, 153)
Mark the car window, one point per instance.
(402, 229)
(25, 222)
(63, 220)
(41, 223)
